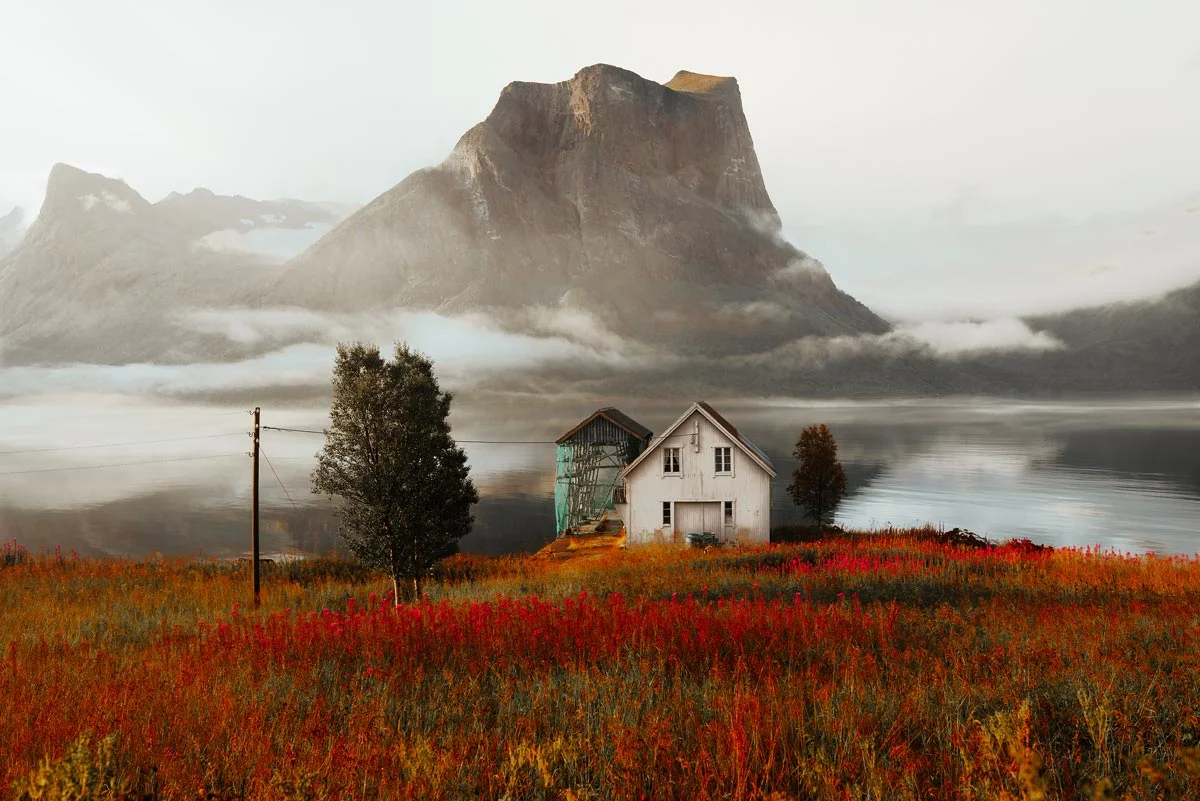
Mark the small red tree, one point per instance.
(819, 484)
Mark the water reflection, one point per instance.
(1123, 476)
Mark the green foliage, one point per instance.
(389, 456)
(86, 772)
(802, 532)
(819, 484)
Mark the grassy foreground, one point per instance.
(881, 667)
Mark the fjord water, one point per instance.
(1122, 475)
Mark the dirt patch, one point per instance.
(581, 547)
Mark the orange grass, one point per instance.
(882, 667)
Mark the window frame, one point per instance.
(729, 452)
(668, 514)
(678, 453)
(727, 513)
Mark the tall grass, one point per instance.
(888, 667)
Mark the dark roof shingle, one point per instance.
(617, 418)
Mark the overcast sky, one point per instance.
(904, 120)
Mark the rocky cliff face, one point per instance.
(640, 204)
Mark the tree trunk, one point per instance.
(387, 530)
(417, 586)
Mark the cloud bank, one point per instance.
(292, 349)
(957, 339)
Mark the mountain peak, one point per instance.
(696, 83)
(65, 177)
(691, 131)
(607, 72)
(71, 190)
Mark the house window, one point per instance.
(729, 513)
(666, 513)
(723, 460)
(670, 461)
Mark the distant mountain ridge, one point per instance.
(201, 214)
(101, 273)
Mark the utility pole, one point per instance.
(254, 502)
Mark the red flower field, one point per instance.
(871, 667)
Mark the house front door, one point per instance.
(697, 518)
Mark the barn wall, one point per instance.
(749, 487)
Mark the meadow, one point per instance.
(895, 665)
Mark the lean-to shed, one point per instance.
(590, 458)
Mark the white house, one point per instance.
(700, 475)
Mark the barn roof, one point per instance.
(615, 416)
(714, 417)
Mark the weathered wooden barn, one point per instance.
(588, 474)
(700, 476)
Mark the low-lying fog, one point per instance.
(295, 349)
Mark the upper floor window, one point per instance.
(723, 459)
(671, 461)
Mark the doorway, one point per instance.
(698, 517)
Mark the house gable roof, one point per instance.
(615, 416)
(749, 448)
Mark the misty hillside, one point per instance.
(1122, 349)
(1138, 346)
(607, 196)
(98, 273)
(103, 275)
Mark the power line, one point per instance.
(277, 478)
(459, 441)
(120, 444)
(122, 464)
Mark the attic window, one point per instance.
(723, 461)
(671, 461)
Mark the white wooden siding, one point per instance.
(747, 485)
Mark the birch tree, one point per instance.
(404, 484)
